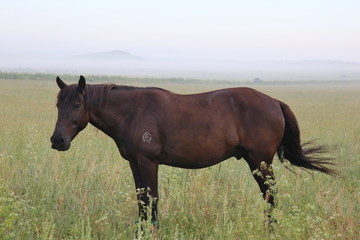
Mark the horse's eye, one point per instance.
(77, 106)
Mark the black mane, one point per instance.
(96, 94)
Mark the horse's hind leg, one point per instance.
(260, 165)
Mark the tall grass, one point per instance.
(88, 191)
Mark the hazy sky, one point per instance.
(225, 30)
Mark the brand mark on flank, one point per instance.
(146, 137)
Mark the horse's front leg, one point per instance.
(145, 173)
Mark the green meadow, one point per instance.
(88, 191)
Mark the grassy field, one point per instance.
(88, 191)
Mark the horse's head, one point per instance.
(73, 115)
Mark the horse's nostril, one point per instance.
(57, 140)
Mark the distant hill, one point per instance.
(110, 55)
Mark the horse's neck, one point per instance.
(110, 118)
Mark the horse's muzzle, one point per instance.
(59, 143)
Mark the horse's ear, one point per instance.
(81, 84)
(60, 83)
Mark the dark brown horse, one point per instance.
(152, 126)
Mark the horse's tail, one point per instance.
(292, 150)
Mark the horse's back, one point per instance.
(225, 106)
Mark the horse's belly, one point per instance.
(191, 163)
(195, 157)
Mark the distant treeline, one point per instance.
(105, 78)
(128, 80)
(90, 78)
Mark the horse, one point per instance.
(153, 126)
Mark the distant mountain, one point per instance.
(111, 55)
